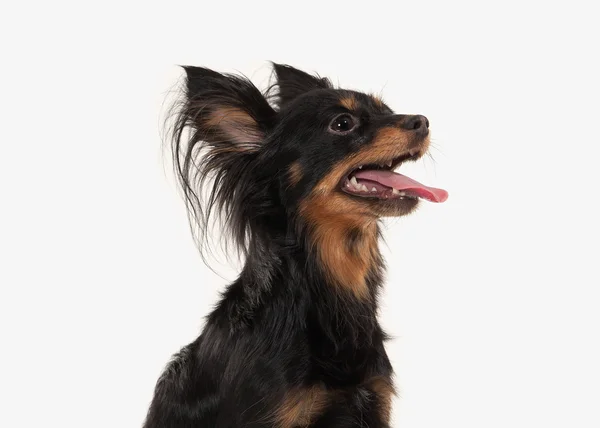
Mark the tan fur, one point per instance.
(384, 390)
(295, 173)
(301, 406)
(389, 136)
(349, 103)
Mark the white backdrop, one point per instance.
(492, 298)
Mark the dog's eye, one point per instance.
(343, 124)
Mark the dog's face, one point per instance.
(347, 145)
(324, 156)
(343, 147)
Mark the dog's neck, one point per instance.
(336, 283)
(345, 259)
(348, 257)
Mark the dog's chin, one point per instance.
(391, 206)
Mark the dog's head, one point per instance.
(321, 158)
(346, 145)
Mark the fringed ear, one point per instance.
(227, 118)
(292, 82)
(226, 111)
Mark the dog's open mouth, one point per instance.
(379, 181)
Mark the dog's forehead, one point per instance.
(357, 101)
(322, 100)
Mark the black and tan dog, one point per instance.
(300, 183)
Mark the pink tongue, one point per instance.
(403, 183)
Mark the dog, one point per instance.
(298, 177)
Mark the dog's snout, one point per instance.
(415, 123)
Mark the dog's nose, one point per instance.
(415, 123)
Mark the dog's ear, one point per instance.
(292, 82)
(219, 127)
(226, 111)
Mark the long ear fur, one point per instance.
(219, 126)
(292, 82)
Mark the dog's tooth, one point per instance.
(395, 192)
(354, 182)
(402, 193)
(360, 167)
(364, 188)
(347, 183)
(389, 164)
(374, 190)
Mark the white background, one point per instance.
(493, 297)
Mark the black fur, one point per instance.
(282, 325)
